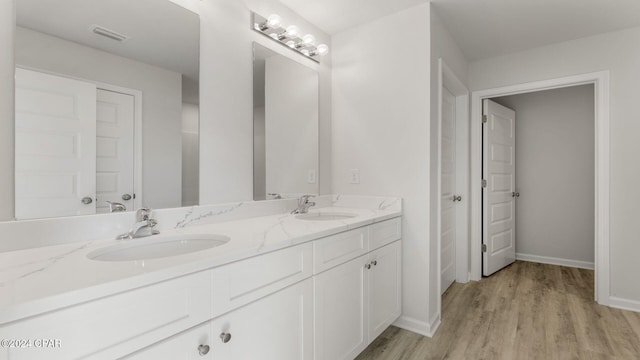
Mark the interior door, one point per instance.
(498, 202)
(55, 150)
(447, 191)
(114, 149)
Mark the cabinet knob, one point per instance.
(374, 262)
(368, 266)
(87, 200)
(225, 337)
(203, 349)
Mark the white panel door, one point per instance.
(55, 150)
(114, 149)
(277, 327)
(498, 203)
(447, 191)
(341, 310)
(385, 300)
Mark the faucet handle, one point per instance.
(143, 214)
(304, 199)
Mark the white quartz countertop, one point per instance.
(38, 280)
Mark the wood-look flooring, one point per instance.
(525, 311)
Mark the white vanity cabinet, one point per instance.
(357, 300)
(277, 327)
(193, 344)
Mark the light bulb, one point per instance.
(308, 39)
(292, 31)
(322, 49)
(274, 21)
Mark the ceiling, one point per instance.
(334, 16)
(161, 33)
(487, 28)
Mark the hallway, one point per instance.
(526, 311)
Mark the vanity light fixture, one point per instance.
(288, 36)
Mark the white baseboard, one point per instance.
(624, 304)
(555, 261)
(417, 326)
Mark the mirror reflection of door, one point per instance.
(55, 146)
(74, 147)
(114, 150)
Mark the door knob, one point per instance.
(457, 198)
(87, 200)
(225, 337)
(367, 266)
(203, 350)
(126, 197)
(515, 194)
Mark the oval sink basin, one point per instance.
(158, 246)
(325, 216)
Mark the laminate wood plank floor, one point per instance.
(525, 311)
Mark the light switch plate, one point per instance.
(311, 177)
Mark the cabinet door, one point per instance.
(189, 345)
(384, 288)
(277, 327)
(341, 309)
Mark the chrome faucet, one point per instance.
(303, 205)
(143, 226)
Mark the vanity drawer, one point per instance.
(339, 248)
(385, 232)
(116, 325)
(242, 282)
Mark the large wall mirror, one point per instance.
(285, 126)
(106, 106)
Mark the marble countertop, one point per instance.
(38, 280)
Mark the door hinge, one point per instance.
(484, 119)
(484, 248)
(484, 183)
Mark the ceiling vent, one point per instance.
(113, 35)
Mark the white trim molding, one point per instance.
(600, 80)
(624, 304)
(555, 261)
(418, 326)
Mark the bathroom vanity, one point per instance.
(321, 285)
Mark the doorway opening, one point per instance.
(600, 83)
(538, 164)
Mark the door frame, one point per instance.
(448, 79)
(137, 136)
(600, 80)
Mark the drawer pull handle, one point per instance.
(367, 266)
(225, 337)
(374, 262)
(203, 350)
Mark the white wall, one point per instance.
(7, 159)
(226, 109)
(190, 154)
(381, 127)
(444, 47)
(161, 103)
(291, 126)
(555, 148)
(619, 53)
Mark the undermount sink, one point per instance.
(325, 216)
(158, 246)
